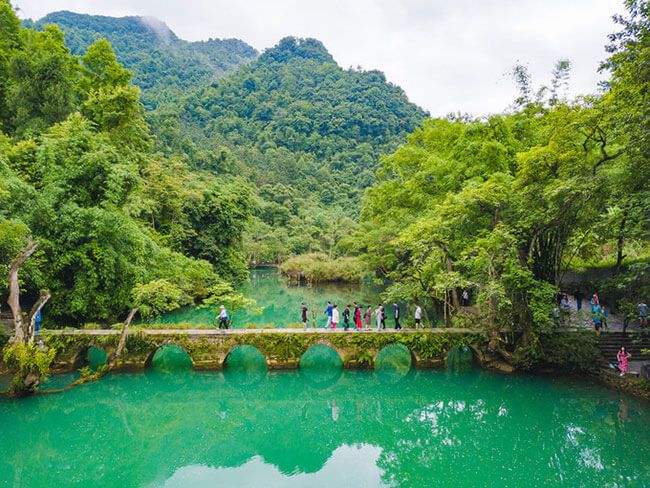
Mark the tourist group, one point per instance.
(356, 317)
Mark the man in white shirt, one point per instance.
(335, 316)
(418, 316)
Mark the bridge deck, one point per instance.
(220, 332)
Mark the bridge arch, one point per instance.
(91, 356)
(246, 358)
(321, 355)
(169, 357)
(394, 360)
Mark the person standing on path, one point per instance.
(379, 314)
(579, 296)
(418, 316)
(643, 314)
(346, 317)
(335, 316)
(596, 317)
(623, 358)
(383, 316)
(367, 317)
(594, 299)
(357, 316)
(465, 298)
(396, 316)
(328, 312)
(303, 314)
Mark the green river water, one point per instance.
(278, 304)
(247, 427)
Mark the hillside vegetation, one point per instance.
(163, 66)
(110, 218)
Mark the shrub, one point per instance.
(319, 268)
(570, 351)
(30, 365)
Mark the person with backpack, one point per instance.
(224, 322)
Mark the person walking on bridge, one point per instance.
(396, 316)
(303, 314)
(346, 317)
(367, 317)
(224, 323)
(328, 312)
(379, 316)
(335, 316)
(357, 315)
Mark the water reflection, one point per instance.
(430, 428)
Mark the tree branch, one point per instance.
(38, 306)
(122, 342)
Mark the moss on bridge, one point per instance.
(209, 350)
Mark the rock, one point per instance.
(502, 367)
(644, 372)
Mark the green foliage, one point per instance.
(163, 65)
(27, 360)
(501, 206)
(306, 133)
(318, 268)
(223, 293)
(78, 174)
(570, 351)
(157, 297)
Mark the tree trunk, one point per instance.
(620, 242)
(454, 292)
(20, 334)
(38, 306)
(122, 342)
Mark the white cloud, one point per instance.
(447, 55)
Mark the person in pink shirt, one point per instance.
(623, 361)
(357, 315)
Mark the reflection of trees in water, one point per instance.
(171, 358)
(441, 428)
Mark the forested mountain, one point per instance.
(305, 132)
(162, 64)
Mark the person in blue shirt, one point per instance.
(38, 320)
(328, 312)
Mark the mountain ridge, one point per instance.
(163, 65)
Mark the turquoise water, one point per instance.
(237, 428)
(279, 303)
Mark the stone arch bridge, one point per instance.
(282, 348)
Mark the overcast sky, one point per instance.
(448, 55)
